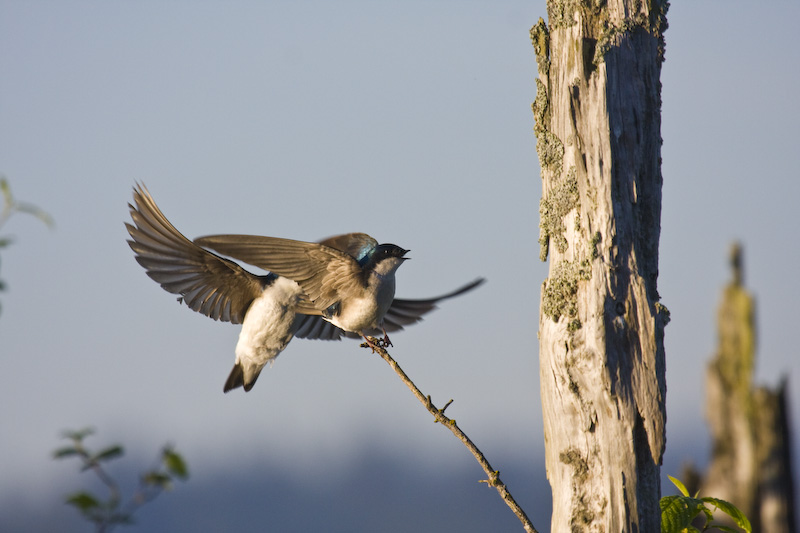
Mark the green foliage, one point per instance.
(678, 512)
(11, 206)
(175, 464)
(111, 512)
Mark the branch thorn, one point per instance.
(494, 477)
(446, 406)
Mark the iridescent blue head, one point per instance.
(371, 257)
(364, 248)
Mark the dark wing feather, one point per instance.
(401, 313)
(406, 312)
(317, 328)
(356, 245)
(323, 272)
(209, 284)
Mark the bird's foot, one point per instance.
(375, 343)
(385, 342)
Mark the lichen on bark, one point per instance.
(560, 292)
(548, 146)
(553, 207)
(540, 37)
(598, 139)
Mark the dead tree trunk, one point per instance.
(601, 351)
(776, 510)
(750, 459)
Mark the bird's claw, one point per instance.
(375, 343)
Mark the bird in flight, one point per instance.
(342, 286)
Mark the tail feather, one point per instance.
(237, 379)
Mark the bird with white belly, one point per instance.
(341, 286)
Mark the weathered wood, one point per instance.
(776, 509)
(729, 402)
(751, 463)
(601, 350)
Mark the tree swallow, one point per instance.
(349, 280)
(273, 308)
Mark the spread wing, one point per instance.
(401, 313)
(314, 327)
(357, 245)
(406, 312)
(323, 272)
(209, 284)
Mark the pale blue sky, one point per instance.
(409, 121)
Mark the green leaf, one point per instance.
(708, 512)
(78, 435)
(158, 479)
(678, 512)
(175, 464)
(65, 452)
(732, 511)
(675, 515)
(5, 188)
(83, 501)
(680, 485)
(108, 454)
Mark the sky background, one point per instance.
(409, 121)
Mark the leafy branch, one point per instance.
(11, 206)
(679, 511)
(493, 476)
(111, 512)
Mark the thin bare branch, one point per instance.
(493, 476)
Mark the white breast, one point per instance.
(267, 325)
(366, 311)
